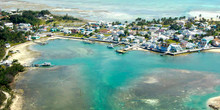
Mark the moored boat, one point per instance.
(111, 46)
(46, 64)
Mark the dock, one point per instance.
(124, 50)
(190, 51)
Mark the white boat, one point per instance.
(111, 46)
(46, 64)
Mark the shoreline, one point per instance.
(213, 50)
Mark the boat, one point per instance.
(122, 51)
(46, 64)
(111, 46)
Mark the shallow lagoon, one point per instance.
(129, 10)
(91, 76)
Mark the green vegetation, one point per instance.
(116, 23)
(44, 12)
(188, 25)
(62, 20)
(175, 27)
(2, 98)
(26, 17)
(163, 21)
(170, 41)
(77, 35)
(8, 36)
(34, 17)
(2, 49)
(66, 17)
(12, 36)
(7, 74)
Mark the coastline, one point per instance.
(213, 50)
(25, 56)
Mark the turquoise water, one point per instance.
(90, 76)
(110, 10)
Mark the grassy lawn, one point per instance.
(166, 25)
(172, 41)
(106, 35)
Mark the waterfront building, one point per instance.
(174, 48)
(10, 25)
(204, 43)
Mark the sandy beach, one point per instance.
(23, 53)
(214, 103)
(213, 50)
(17, 100)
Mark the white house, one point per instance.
(125, 40)
(10, 25)
(7, 45)
(141, 39)
(205, 41)
(162, 37)
(131, 37)
(174, 48)
(100, 36)
(116, 38)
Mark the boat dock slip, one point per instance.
(190, 51)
